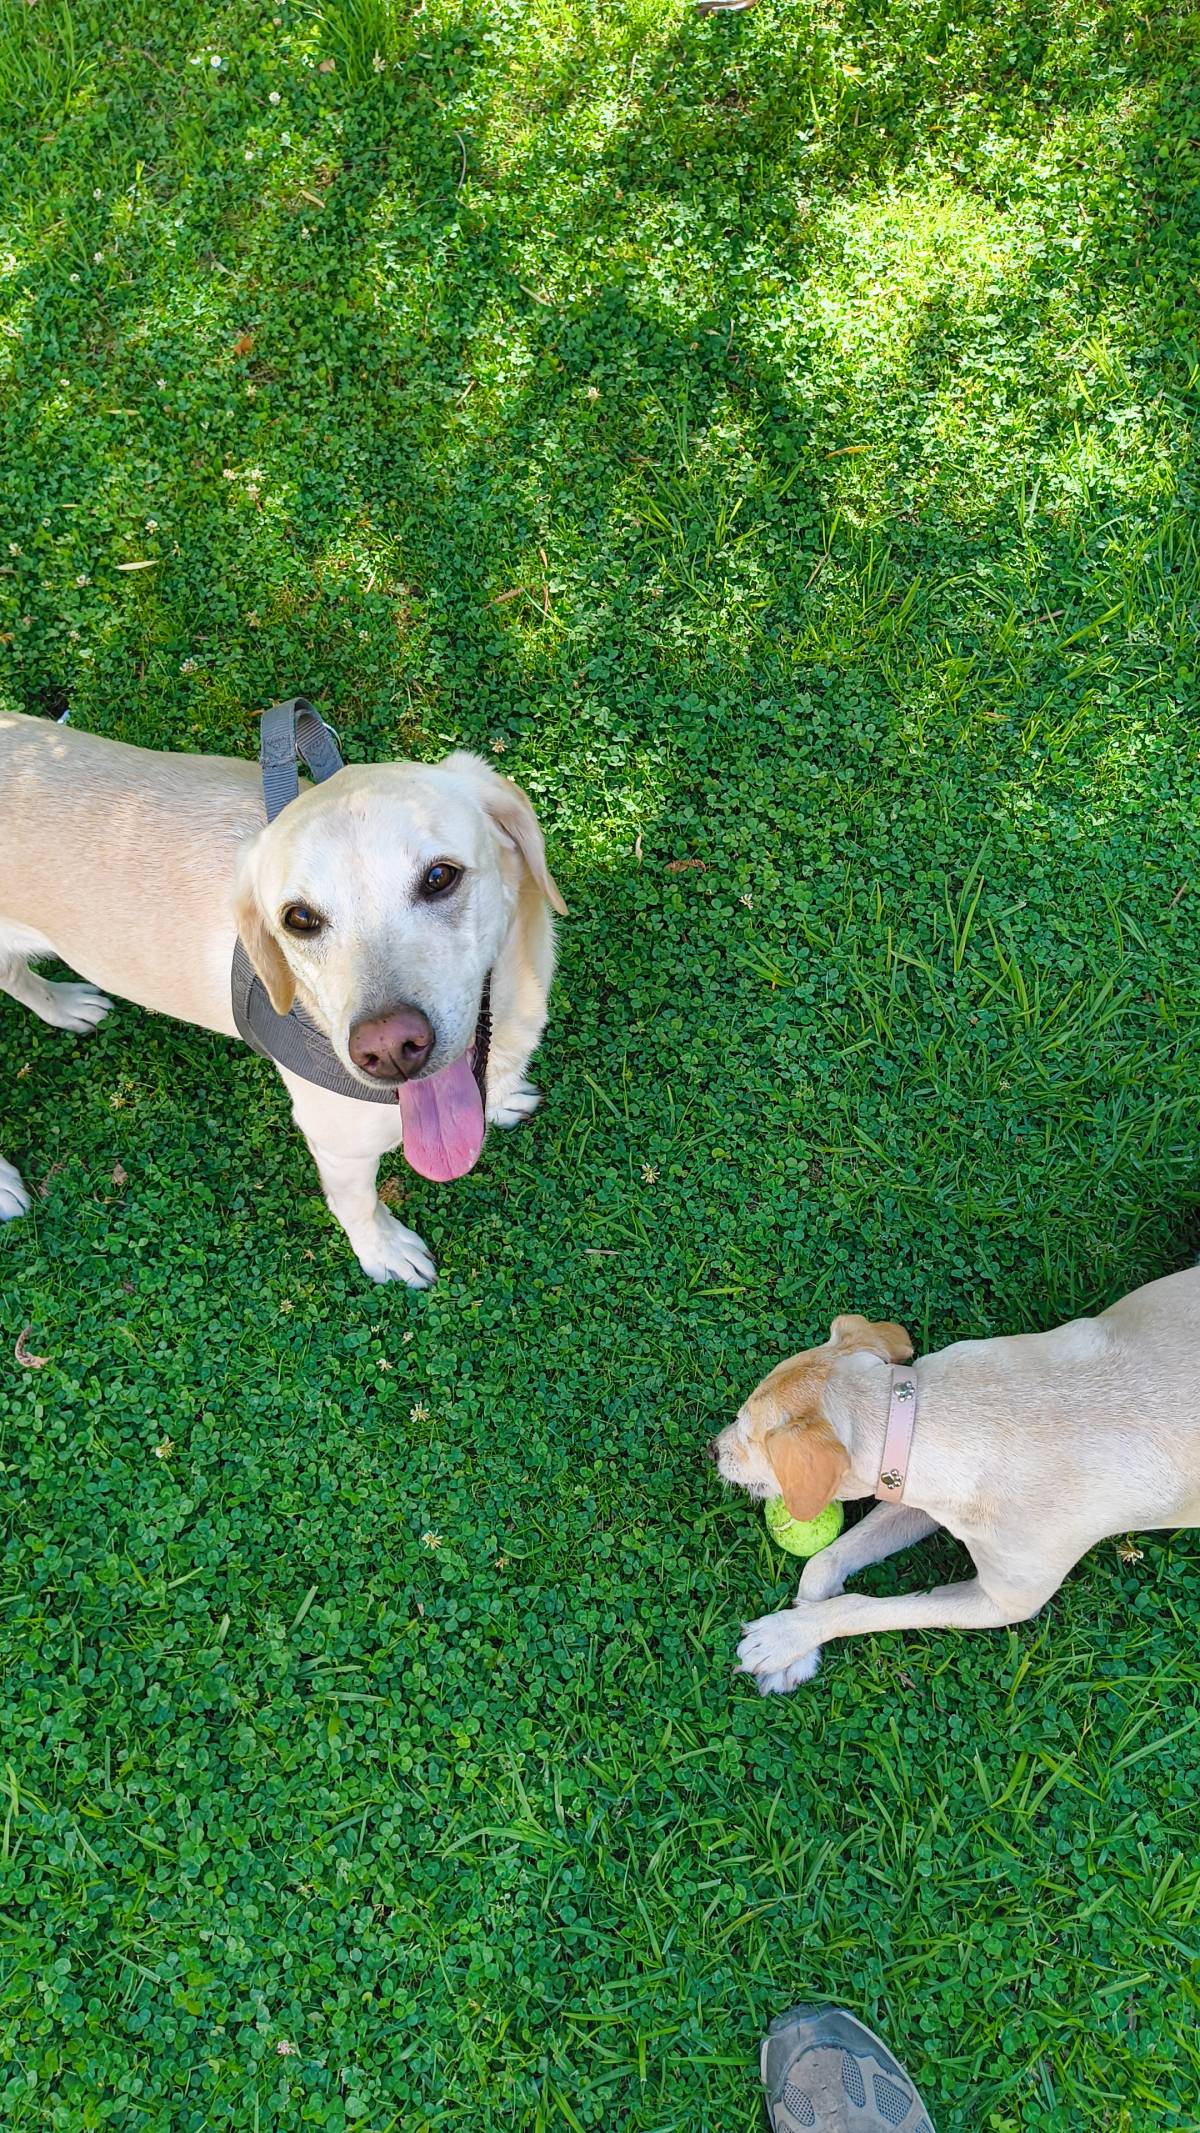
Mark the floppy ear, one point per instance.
(809, 1462)
(512, 813)
(261, 946)
(879, 1337)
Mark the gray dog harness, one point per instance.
(294, 1040)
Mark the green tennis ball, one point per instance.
(803, 1536)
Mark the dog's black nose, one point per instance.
(713, 1449)
(392, 1047)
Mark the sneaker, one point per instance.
(824, 2072)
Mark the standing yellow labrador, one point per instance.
(379, 902)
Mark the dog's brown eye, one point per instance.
(299, 918)
(439, 878)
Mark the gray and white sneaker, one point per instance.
(824, 2072)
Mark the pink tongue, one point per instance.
(443, 1122)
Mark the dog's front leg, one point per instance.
(784, 1649)
(512, 1097)
(520, 991)
(346, 1140)
(883, 1532)
(385, 1250)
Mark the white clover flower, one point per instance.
(274, 97)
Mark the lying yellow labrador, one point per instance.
(388, 903)
(1029, 1449)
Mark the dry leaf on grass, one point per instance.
(23, 1356)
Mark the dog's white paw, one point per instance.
(389, 1252)
(77, 1007)
(789, 1677)
(776, 1651)
(14, 1198)
(519, 1104)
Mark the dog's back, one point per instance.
(98, 838)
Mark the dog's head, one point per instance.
(782, 1443)
(382, 898)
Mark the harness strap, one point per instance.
(287, 730)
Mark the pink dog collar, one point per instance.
(897, 1443)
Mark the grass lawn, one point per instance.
(773, 439)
